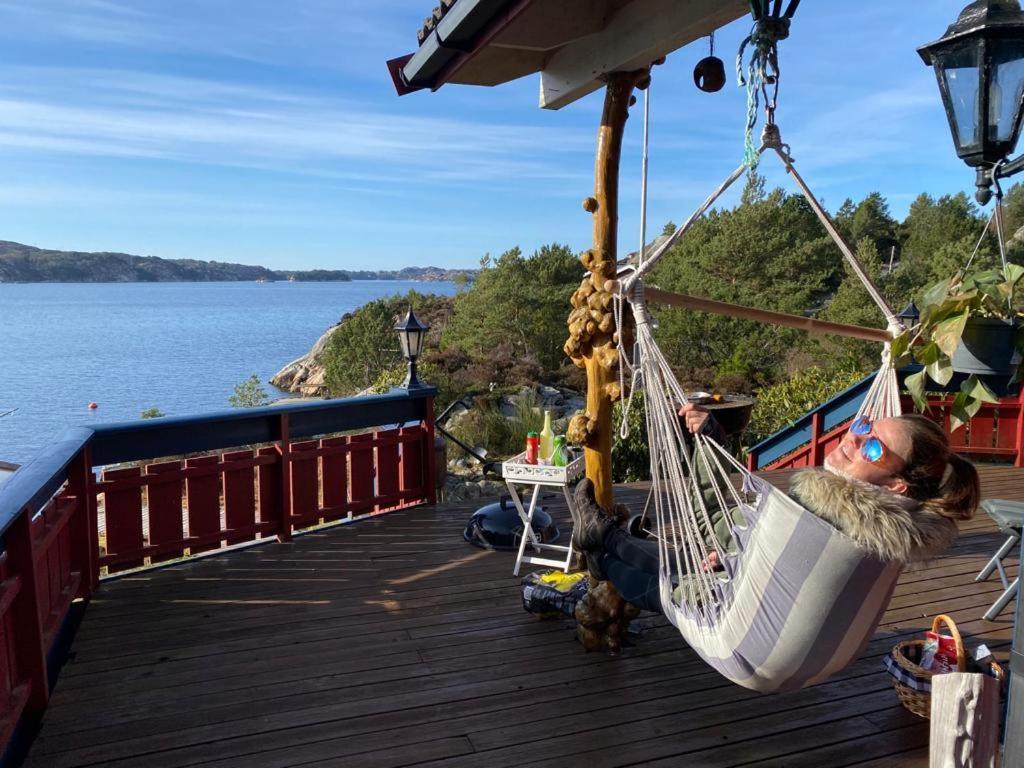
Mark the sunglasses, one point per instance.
(872, 449)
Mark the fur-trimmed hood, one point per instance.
(892, 526)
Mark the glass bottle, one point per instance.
(559, 454)
(547, 438)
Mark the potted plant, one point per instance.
(969, 324)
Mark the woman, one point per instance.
(894, 486)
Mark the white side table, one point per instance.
(536, 476)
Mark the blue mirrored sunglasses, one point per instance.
(871, 449)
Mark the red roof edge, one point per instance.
(395, 67)
(492, 30)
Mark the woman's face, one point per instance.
(847, 458)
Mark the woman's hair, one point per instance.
(943, 481)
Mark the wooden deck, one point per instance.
(392, 642)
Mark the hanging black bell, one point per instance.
(709, 74)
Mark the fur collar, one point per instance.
(892, 526)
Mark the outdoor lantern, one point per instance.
(910, 314)
(411, 335)
(979, 64)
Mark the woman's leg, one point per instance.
(636, 585)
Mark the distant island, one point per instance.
(26, 264)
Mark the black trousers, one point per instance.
(631, 564)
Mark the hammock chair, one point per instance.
(797, 600)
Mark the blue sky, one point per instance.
(269, 133)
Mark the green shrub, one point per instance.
(783, 403)
(365, 346)
(249, 394)
(631, 461)
(485, 426)
(152, 413)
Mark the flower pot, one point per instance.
(986, 347)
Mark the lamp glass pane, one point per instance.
(414, 343)
(963, 87)
(1006, 89)
(403, 339)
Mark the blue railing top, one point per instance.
(36, 482)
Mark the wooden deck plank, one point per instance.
(391, 642)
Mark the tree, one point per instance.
(364, 347)
(949, 224)
(249, 394)
(152, 413)
(770, 252)
(871, 220)
(669, 229)
(851, 304)
(518, 304)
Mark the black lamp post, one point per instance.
(411, 335)
(979, 64)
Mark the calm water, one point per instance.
(181, 347)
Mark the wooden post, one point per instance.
(1019, 442)
(591, 343)
(816, 454)
(430, 457)
(964, 721)
(29, 653)
(84, 536)
(1013, 749)
(602, 616)
(285, 534)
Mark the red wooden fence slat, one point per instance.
(1006, 431)
(361, 479)
(305, 482)
(982, 429)
(334, 478)
(411, 475)
(387, 470)
(123, 511)
(269, 479)
(203, 497)
(239, 499)
(165, 509)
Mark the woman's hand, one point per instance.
(695, 417)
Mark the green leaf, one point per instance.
(976, 389)
(915, 384)
(958, 412)
(928, 354)
(1013, 273)
(947, 333)
(900, 349)
(937, 293)
(941, 371)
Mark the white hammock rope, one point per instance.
(690, 474)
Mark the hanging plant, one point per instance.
(969, 324)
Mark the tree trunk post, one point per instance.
(603, 615)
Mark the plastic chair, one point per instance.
(1009, 516)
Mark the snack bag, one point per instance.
(939, 653)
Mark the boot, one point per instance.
(594, 523)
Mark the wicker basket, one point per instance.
(907, 654)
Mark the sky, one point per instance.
(268, 132)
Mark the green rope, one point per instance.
(761, 71)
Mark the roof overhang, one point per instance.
(573, 44)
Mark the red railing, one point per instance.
(54, 510)
(996, 431)
(161, 511)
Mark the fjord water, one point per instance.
(181, 347)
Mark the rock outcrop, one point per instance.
(305, 376)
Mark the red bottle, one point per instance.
(532, 447)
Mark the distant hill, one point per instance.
(27, 264)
